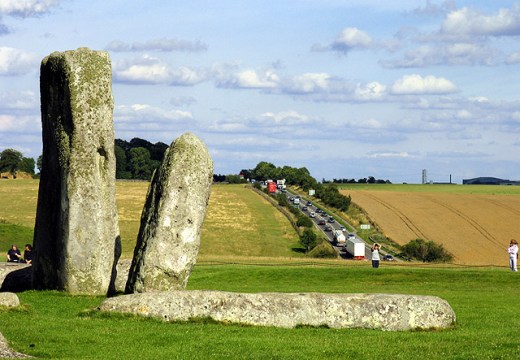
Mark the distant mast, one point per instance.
(424, 177)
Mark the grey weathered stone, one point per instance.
(7, 353)
(172, 218)
(372, 311)
(76, 234)
(9, 299)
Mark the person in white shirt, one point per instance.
(513, 254)
(375, 255)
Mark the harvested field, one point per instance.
(475, 228)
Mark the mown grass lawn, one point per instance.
(54, 325)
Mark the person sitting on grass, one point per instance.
(13, 254)
(28, 254)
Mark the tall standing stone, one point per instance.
(76, 235)
(172, 218)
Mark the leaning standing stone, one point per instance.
(76, 235)
(171, 222)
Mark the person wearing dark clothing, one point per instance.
(28, 254)
(13, 254)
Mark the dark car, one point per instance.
(328, 228)
(321, 222)
(388, 257)
(309, 203)
(304, 208)
(331, 220)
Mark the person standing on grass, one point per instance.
(375, 255)
(513, 254)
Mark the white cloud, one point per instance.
(16, 61)
(250, 79)
(144, 112)
(416, 84)
(27, 8)
(149, 70)
(459, 53)
(164, 45)
(351, 38)
(513, 58)
(309, 83)
(466, 23)
(389, 154)
(284, 118)
(25, 100)
(12, 123)
(371, 91)
(143, 117)
(432, 9)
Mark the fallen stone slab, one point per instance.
(7, 353)
(288, 310)
(9, 299)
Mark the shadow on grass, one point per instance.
(298, 250)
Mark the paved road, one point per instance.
(323, 221)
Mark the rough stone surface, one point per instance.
(7, 353)
(76, 234)
(171, 222)
(9, 299)
(372, 311)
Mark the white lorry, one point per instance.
(339, 237)
(355, 247)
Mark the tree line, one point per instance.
(368, 180)
(13, 161)
(301, 177)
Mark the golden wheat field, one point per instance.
(475, 228)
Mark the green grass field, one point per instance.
(453, 188)
(247, 246)
(53, 325)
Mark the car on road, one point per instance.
(388, 257)
(331, 220)
(304, 208)
(351, 236)
(321, 222)
(312, 214)
(328, 228)
(309, 203)
(342, 228)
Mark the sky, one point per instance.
(347, 89)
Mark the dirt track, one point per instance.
(476, 229)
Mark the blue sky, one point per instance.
(347, 89)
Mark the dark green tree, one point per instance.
(10, 160)
(121, 163)
(308, 240)
(27, 165)
(426, 251)
(304, 221)
(141, 165)
(264, 171)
